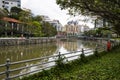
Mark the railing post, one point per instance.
(7, 69)
(59, 56)
(96, 51)
(82, 51)
(82, 57)
(96, 48)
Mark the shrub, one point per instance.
(60, 60)
(83, 58)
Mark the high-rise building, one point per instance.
(8, 4)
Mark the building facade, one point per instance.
(85, 28)
(55, 23)
(8, 4)
(72, 28)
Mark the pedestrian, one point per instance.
(108, 45)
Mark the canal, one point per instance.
(24, 52)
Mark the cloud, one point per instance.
(49, 8)
(46, 7)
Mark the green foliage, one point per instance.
(90, 32)
(96, 53)
(25, 16)
(48, 30)
(106, 9)
(32, 25)
(60, 61)
(15, 10)
(37, 30)
(37, 18)
(83, 58)
(99, 32)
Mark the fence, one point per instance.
(46, 64)
(25, 41)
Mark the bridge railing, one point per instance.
(46, 64)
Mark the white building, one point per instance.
(45, 18)
(57, 25)
(85, 28)
(8, 4)
(1, 4)
(54, 23)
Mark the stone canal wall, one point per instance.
(24, 41)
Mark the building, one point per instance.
(10, 26)
(85, 28)
(72, 28)
(55, 23)
(8, 4)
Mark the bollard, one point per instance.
(7, 69)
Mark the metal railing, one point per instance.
(70, 56)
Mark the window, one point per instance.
(3, 1)
(6, 2)
(18, 1)
(18, 5)
(3, 6)
(6, 7)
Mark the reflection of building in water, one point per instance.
(70, 46)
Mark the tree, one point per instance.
(48, 30)
(90, 33)
(37, 18)
(37, 31)
(106, 9)
(25, 16)
(15, 12)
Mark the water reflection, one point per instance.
(77, 45)
(24, 52)
(17, 53)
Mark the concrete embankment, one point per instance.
(24, 41)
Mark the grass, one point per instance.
(106, 66)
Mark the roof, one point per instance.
(10, 20)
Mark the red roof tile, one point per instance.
(10, 20)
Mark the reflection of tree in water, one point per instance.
(75, 45)
(89, 44)
(24, 52)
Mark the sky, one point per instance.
(48, 8)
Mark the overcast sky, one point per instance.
(47, 7)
